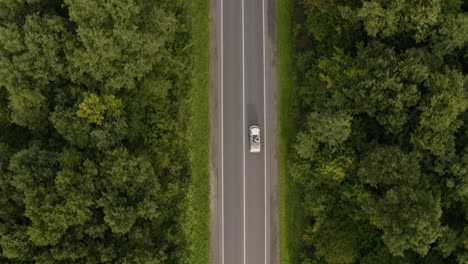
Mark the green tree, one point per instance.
(32, 51)
(129, 188)
(389, 18)
(29, 109)
(94, 124)
(400, 202)
(378, 82)
(333, 241)
(322, 128)
(117, 42)
(452, 35)
(439, 119)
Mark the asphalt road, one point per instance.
(244, 228)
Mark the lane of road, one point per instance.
(255, 185)
(232, 133)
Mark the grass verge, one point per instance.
(291, 219)
(199, 149)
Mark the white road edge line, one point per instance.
(243, 127)
(265, 128)
(222, 138)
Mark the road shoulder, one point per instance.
(214, 80)
(271, 51)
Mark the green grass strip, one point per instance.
(290, 203)
(199, 153)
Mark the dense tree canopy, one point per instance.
(381, 156)
(93, 131)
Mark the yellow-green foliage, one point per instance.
(94, 108)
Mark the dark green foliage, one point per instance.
(382, 153)
(93, 131)
(398, 201)
(28, 109)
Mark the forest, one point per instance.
(94, 164)
(381, 152)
